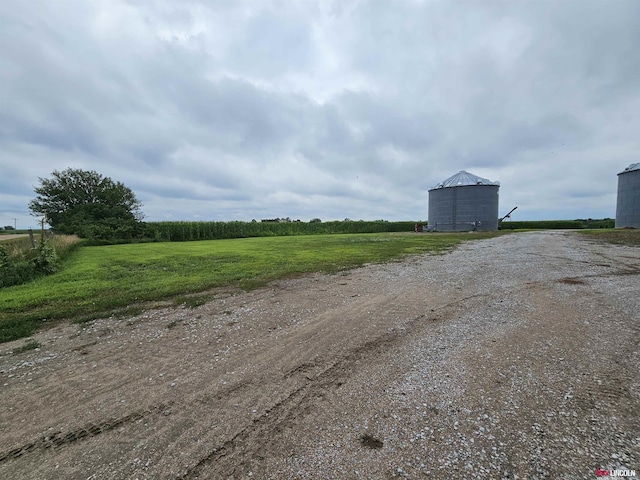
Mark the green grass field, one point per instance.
(105, 280)
(618, 237)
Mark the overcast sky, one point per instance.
(240, 110)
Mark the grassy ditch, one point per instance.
(22, 261)
(63, 244)
(101, 280)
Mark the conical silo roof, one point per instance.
(464, 178)
(631, 168)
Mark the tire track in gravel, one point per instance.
(304, 395)
(266, 426)
(232, 458)
(258, 435)
(58, 439)
(61, 439)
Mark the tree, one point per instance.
(87, 204)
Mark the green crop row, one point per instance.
(188, 231)
(557, 224)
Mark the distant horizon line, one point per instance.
(2, 228)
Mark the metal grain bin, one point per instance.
(462, 203)
(628, 205)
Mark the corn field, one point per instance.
(557, 224)
(189, 231)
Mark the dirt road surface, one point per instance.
(513, 357)
(12, 236)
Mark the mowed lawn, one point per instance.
(104, 280)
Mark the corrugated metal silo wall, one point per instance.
(628, 205)
(460, 209)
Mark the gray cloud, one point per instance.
(238, 110)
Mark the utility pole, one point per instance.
(15, 223)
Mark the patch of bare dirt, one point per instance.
(12, 236)
(514, 357)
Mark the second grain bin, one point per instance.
(462, 203)
(628, 204)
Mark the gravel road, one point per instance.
(12, 236)
(513, 357)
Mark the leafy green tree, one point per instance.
(87, 204)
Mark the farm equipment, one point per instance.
(508, 215)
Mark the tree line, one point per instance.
(95, 207)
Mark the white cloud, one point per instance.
(239, 110)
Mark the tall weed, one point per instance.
(20, 262)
